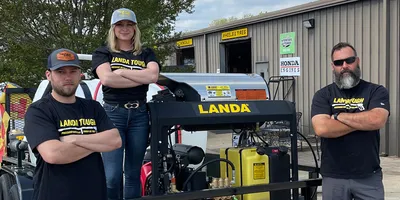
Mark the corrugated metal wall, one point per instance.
(392, 141)
(199, 54)
(213, 44)
(372, 26)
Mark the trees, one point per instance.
(218, 22)
(31, 29)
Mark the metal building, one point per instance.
(372, 26)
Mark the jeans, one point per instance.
(133, 126)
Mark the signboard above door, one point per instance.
(237, 33)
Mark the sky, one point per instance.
(205, 11)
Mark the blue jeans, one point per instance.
(133, 126)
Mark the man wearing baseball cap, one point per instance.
(67, 133)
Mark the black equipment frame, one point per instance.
(283, 79)
(305, 185)
(165, 115)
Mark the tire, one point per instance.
(147, 186)
(14, 193)
(6, 181)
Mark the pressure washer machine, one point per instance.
(198, 102)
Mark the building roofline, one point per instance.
(307, 7)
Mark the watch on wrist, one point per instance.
(336, 115)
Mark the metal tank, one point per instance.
(215, 86)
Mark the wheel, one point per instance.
(6, 181)
(148, 183)
(147, 190)
(14, 192)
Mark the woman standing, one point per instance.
(125, 70)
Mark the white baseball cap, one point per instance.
(123, 14)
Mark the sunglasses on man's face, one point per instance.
(349, 60)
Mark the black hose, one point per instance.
(254, 132)
(315, 159)
(205, 164)
(173, 154)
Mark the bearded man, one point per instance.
(67, 135)
(347, 116)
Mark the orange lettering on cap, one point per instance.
(65, 56)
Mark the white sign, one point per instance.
(289, 66)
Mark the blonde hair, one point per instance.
(113, 44)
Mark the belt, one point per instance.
(129, 105)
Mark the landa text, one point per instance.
(224, 108)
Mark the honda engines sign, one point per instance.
(289, 66)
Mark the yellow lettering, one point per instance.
(224, 108)
(138, 63)
(87, 122)
(68, 122)
(213, 109)
(245, 108)
(348, 101)
(201, 110)
(234, 108)
(120, 60)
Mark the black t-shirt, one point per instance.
(48, 119)
(356, 154)
(123, 60)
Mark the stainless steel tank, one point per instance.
(215, 86)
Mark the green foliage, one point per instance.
(31, 29)
(218, 22)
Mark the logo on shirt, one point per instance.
(77, 126)
(123, 63)
(348, 104)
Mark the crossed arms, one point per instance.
(75, 147)
(326, 126)
(123, 78)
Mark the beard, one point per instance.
(347, 79)
(64, 91)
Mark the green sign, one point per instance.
(287, 43)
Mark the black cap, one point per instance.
(62, 58)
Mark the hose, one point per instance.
(207, 163)
(315, 159)
(96, 91)
(266, 144)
